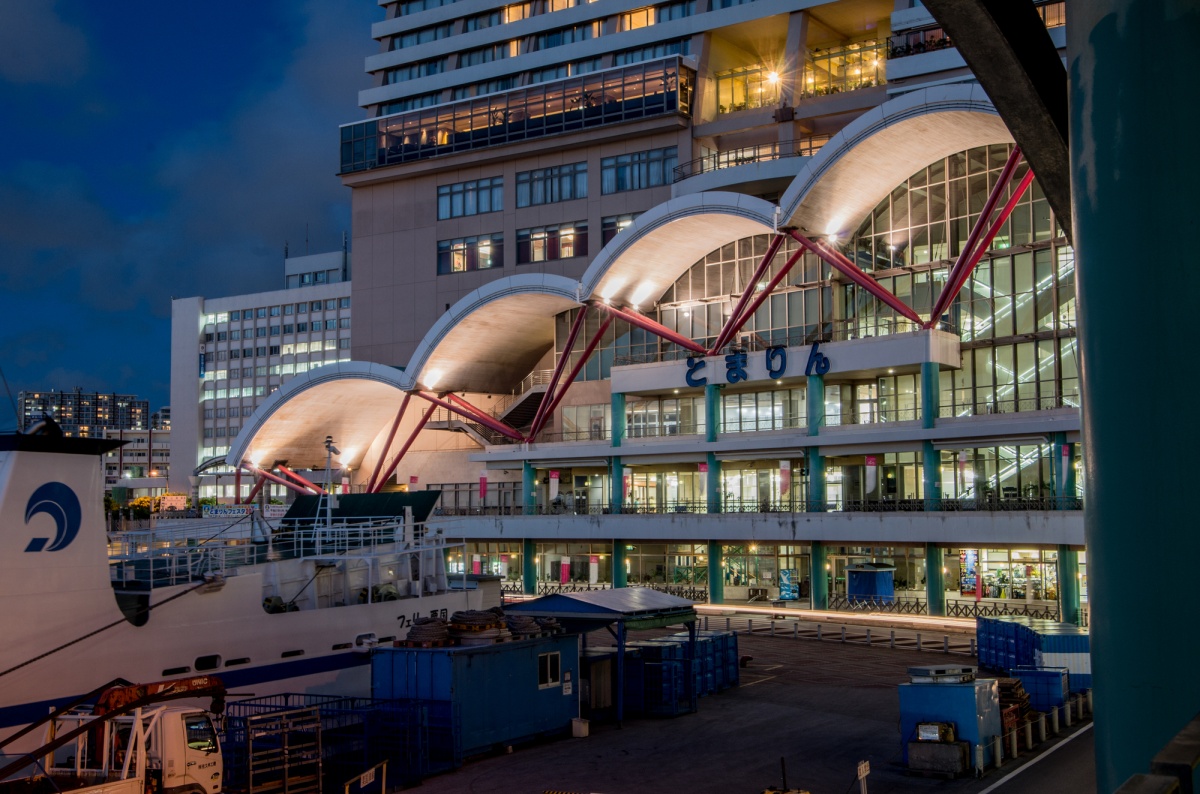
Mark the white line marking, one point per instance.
(759, 681)
(1041, 757)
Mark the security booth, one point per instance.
(871, 582)
(619, 611)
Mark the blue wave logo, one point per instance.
(60, 503)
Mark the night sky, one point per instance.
(159, 150)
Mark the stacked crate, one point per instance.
(1048, 687)
(1012, 641)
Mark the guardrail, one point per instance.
(776, 150)
(728, 506)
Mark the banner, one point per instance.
(564, 570)
(345, 485)
(503, 566)
(703, 469)
(872, 473)
(476, 564)
(785, 476)
(553, 484)
(482, 488)
(593, 569)
(627, 481)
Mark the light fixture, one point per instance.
(772, 77)
(431, 380)
(677, 391)
(891, 371)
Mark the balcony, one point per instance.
(612, 96)
(776, 150)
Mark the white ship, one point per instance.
(289, 610)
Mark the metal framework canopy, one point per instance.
(353, 402)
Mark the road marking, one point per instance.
(773, 667)
(1041, 757)
(759, 681)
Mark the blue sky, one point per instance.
(159, 150)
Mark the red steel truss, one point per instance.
(298, 478)
(587, 353)
(558, 368)
(400, 455)
(735, 323)
(840, 263)
(387, 445)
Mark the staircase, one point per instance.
(519, 408)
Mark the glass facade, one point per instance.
(607, 97)
(848, 68)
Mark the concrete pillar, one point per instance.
(814, 461)
(931, 467)
(1068, 585)
(616, 485)
(818, 577)
(619, 577)
(528, 567)
(529, 488)
(618, 419)
(935, 579)
(712, 411)
(1129, 132)
(814, 399)
(716, 573)
(1064, 471)
(714, 493)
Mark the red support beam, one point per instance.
(646, 324)
(952, 289)
(268, 475)
(735, 323)
(387, 445)
(483, 417)
(469, 413)
(237, 485)
(977, 230)
(576, 327)
(587, 353)
(404, 449)
(729, 330)
(316, 489)
(839, 262)
(253, 491)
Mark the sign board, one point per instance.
(788, 589)
(274, 511)
(226, 511)
(366, 778)
(172, 501)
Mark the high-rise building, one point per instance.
(84, 414)
(228, 354)
(741, 245)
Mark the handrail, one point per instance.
(778, 505)
(776, 150)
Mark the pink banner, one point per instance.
(872, 460)
(785, 476)
(594, 559)
(413, 479)
(564, 570)
(702, 468)
(482, 488)
(476, 565)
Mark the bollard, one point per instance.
(918, 640)
(727, 624)
(946, 643)
(750, 626)
(1079, 713)
(1090, 703)
(979, 760)
(892, 639)
(818, 632)
(999, 750)
(843, 633)
(973, 653)
(772, 627)
(1067, 712)
(796, 630)
(1012, 743)
(706, 622)
(1042, 728)
(1028, 735)
(1054, 720)
(868, 636)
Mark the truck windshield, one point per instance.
(200, 733)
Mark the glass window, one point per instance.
(470, 253)
(651, 168)
(551, 185)
(548, 243)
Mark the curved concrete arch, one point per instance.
(640, 263)
(860, 165)
(492, 337)
(353, 401)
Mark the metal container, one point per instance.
(973, 708)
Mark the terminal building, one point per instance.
(722, 298)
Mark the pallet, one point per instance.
(424, 643)
(470, 627)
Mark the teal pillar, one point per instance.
(529, 488)
(716, 573)
(1064, 472)
(818, 577)
(528, 567)
(935, 579)
(1132, 181)
(713, 489)
(618, 418)
(616, 490)
(814, 400)
(619, 577)
(814, 461)
(712, 411)
(931, 459)
(1068, 585)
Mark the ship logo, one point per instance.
(60, 503)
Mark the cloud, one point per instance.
(37, 47)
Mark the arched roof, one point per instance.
(860, 165)
(493, 337)
(640, 263)
(352, 401)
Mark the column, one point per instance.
(935, 579)
(616, 485)
(814, 400)
(818, 577)
(529, 488)
(618, 418)
(528, 567)
(1127, 183)
(931, 459)
(716, 573)
(619, 577)
(713, 488)
(1068, 585)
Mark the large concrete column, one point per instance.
(619, 578)
(931, 459)
(818, 577)
(529, 488)
(1133, 127)
(935, 579)
(814, 401)
(713, 492)
(716, 573)
(618, 419)
(616, 485)
(712, 431)
(528, 567)
(1068, 584)
(1064, 471)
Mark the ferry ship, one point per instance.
(292, 608)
